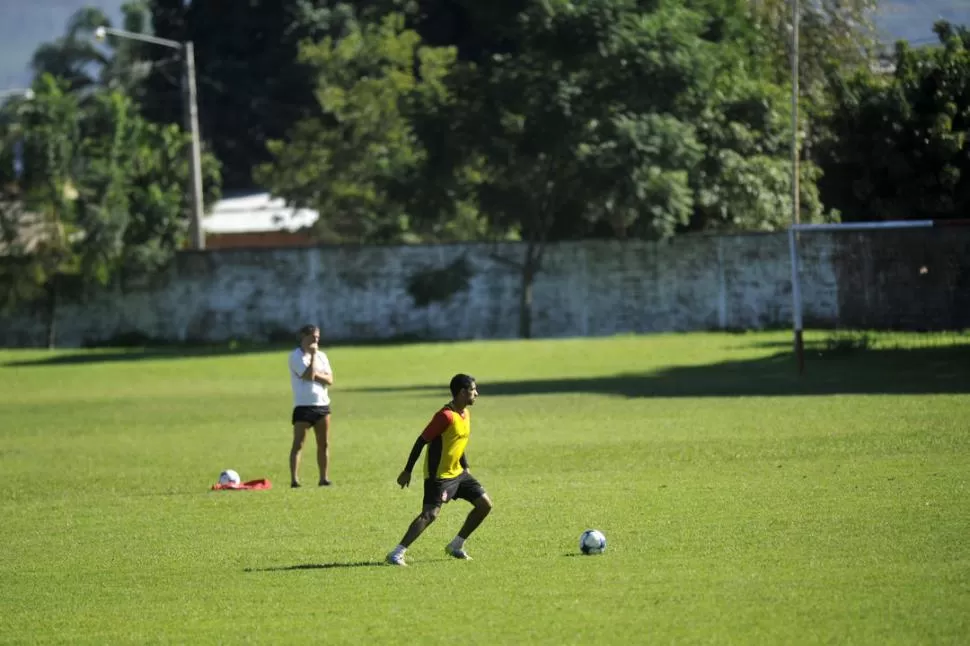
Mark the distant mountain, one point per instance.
(25, 24)
(913, 20)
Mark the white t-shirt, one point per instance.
(308, 393)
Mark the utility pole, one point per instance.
(799, 338)
(196, 232)
(795, 172)
(195, 153)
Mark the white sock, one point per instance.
(400, 549)
(457, 543)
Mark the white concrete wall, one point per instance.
(585, 288)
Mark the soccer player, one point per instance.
(446, 474)
(310, 376)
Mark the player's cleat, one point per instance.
(458, 553)
(394, 558)
(295, 485)
(325, 483)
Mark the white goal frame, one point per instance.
(796, 289)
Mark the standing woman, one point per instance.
(310, 376)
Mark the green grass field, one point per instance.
(743, 504)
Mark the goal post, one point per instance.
(906, 275)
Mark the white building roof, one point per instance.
(256, 213)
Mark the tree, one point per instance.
(74, 57)
(833, 35)
(743, 181)
(478, 30)
(99, 194)
(898, 147)
(253, 87)
(612, 119)
(84, 64)
(159, 201)
(39, 213)
(357, 160)
(129, 61)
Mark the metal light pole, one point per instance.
(799, 340)
(795, 28)
(196, 232)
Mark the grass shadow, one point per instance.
(120, 354)
(938, 370)
(319, 566)
(123, 355)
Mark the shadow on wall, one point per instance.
(875, 372)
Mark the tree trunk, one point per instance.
(525, 305)
(52, 313)
(530, 267)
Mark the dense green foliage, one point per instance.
(373, 84)
(606, 117)
(899, 145)
(90, 193)
(742, 503)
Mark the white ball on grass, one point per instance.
(229, 477)
(592, 541)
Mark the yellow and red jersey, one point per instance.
(447, 436)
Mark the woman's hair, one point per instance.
(307, 330)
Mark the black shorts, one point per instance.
(437, 492)
(310, 414)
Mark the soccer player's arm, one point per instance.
(325, 374)
(297, 368)
(415, 454)
(434, 429)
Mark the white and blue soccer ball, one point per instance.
(229, 477)
(592, 541)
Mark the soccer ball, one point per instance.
(229, 477)
(592, 542)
